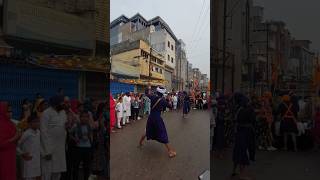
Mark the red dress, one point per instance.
(7, 149)
(112, 113)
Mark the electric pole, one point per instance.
(267, 54)
(250, 65)
(224, 43)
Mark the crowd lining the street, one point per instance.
(129, 107)
(54, 139)
(270, 122)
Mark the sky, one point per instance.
(301, 17)
(188, 19)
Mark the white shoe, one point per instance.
(139, 118)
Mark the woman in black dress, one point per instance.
(244, 148)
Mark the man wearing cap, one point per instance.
(53, 136)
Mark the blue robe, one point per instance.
(156, 129)
(186, 105)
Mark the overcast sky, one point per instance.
(188, 19)
(301, 17)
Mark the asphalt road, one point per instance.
(277, 165)
(189, 137)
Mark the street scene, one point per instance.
(54, 121)
(159, 90)
(265, 81)
(150, 161)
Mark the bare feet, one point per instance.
(172, 154)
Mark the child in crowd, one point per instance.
(136, 107)
(83, 136)
(119, 109)
(29, 148)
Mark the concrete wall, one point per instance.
(168, 77)
(159, 41)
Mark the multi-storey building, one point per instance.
(137, 64)
(155, 31)
(181, 66)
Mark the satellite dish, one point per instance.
(152, 29)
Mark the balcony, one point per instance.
(156, 75)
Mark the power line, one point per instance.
(201, 27)
(201, 34)
(198, 20)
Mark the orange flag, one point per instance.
(316, 77)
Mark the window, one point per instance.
(168, 44)
(168, 58)
(160, 71)
(172, 60)
(172, 47)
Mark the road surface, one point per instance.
(189, 137)
(279, 165)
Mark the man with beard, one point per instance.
(53, 136)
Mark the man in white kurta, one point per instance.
(53, 137)
(127, 107)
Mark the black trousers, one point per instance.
(135, 113)
(83, 155)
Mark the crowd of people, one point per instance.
(55, 139)
(129, 107)
(270, 122)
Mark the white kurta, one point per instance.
(175, 100)
(30, 143)
(53, 138)
(127, 105)
(119, 109)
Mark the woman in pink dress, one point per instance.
(8, 138)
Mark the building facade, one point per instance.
(181, 66)
(43, 61)
(138, 64)
(155, 31)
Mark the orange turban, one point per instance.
(286, 98)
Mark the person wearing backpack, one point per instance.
(288, 123)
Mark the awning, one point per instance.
(5, 49)
(83, 63)
(3, 44)
(144, 82)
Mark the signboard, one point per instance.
(120, 68)
(30, 21)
